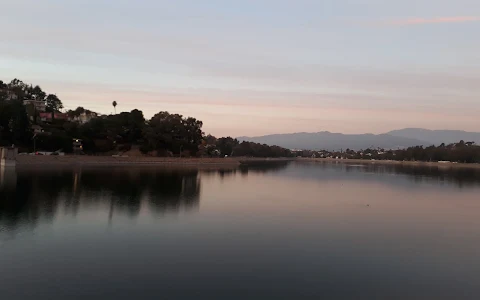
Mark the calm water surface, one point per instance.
(298, 231)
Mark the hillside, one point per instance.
(437, 137)
(335, 141)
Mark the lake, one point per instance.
(288, 231)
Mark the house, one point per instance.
(38, 104)
(84, 117)
(46, 116)
(60, 116)
(11, 95)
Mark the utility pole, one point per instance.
(34, 143)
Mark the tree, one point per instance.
(5, 117)
(18, 88)
(53, 104)
(3, 91)
(36, 93)
(107, 132)
(258, 150)
(14, 124)
(226, 145)
(127, 126)
(173, 132)
(210, 140)
(114, 103)
(75, 113)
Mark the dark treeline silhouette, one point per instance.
(228, 146)
(27, 196)
(24, 124)
(20, 107)
(461, 152)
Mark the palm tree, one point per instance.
(114, 103)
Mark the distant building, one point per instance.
(60, 116)
(46, 116)
(11, 96)
(84, 117)
(39, 105)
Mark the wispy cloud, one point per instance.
(439, 20)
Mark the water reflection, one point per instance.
(284, 232)
(29, 195)
(392, 174)
(244, 170)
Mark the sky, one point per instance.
(255, 67)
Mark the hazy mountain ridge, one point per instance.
(391, 140)
(334, 141)
(437, 137)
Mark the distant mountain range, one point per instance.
(437, 137)
(391, 140)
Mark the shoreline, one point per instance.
(110, 161)
(391, 162)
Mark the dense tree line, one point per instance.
(228, 146)
(18, 90)
(172, 132)
(165, 134)
(14, 123)
(461, 152)
(16, 118)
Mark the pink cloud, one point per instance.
(440, 20)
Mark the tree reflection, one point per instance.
(244, 169)
(438, 175)
(170, 192)
(41, 194)
(264, 168)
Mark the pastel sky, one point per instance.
(254, 67)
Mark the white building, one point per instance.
(38, 104)
(84, 117)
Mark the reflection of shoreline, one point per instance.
(246, 169)
(389, 162)
(42, 194)
(8, 178)
(418, 173)
(72, 160)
